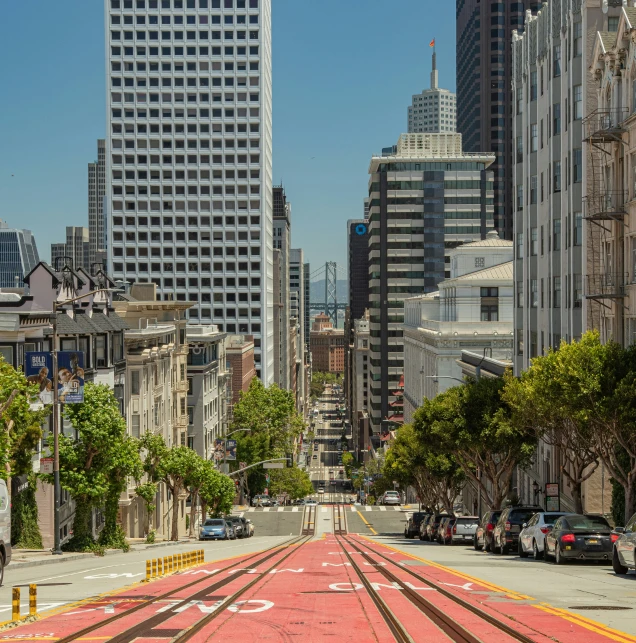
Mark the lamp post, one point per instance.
(56, 420)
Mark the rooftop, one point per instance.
(501, 271)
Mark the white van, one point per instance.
(5, 529)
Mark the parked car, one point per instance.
(624, 550)
(433, 525)
(261, 500)
(412, 527)
(463, 530)
(321, 490)
(575, 536)
(213, 529)
(390, 498)
(238, 524)
(506, 532)
(300, 502)
(310, 503)
(231, 532)
(5, 528)
(423, 526)
(483, 534)
(445, 530)
(533, 533)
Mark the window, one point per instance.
(556, 184)
(134, 383)
(100, 351)
(519, 100)
(520, 294)
(6, 352)
(556, 234)
(556, 119)
(489, 292)
(578, 102)
(489, 312)
(577, 165)
(135, 425)
(534, 294)
(533, 189)
(533, 242)
(533, 137)
(519, 149)
(612, 23)
(578, 228)
(578, 39)
(556, 66)
(533, 85)
(519, 245)
(541, 293)
(519, 197)
(556, 292)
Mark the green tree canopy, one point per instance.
(291, 480)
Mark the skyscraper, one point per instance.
(434, 110)
(188, 158)
(18, 255)
(96, 218)
(76, 248)
(282, 241)
(484, 72)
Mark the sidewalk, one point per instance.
(34, 557)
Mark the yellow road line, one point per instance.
(365, 521)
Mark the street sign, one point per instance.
(46, 465)
(273, 465)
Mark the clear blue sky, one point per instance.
(344, 72)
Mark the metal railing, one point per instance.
(610, 285)
(604, 124)
(605, 205)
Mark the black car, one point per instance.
(239, 524)
(433, 525)
(412, 527)
(579, 537)
(506, 532)
(483, 535)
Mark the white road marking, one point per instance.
(294, 509)
(281, 508)
(382, 508)
(369, 508)
(265, 508)
(251, 509)
(353, 508)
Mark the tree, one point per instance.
(471, 424)
(319, 380)
(20, 432)
(217, 494)
(539, 403)
(202, 479)
(95, 466)
(293, 481)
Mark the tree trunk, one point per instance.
(204, 510)
(174, 528)
(194, 501)
(629, 499)
(111, 534)
(82, 539)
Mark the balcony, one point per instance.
(605, 206)
(605, 286)
(605, 125)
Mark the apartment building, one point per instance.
(188, 158)
(359, 386)
(425, 198)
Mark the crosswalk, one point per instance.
(325, 508)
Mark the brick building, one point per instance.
(239, 352)
(327, 346)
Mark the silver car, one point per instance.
(391, 498)
(463, 531)
(624, 550)
(532, 536)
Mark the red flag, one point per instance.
(432, 43)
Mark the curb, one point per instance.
(79, 556)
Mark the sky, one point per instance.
(343, 75)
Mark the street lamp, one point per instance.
(56, 420)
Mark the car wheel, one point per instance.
(522, 553)
(476, 544)
(617, 566)
(538, 555)
(487, 546)
(421, 537)
(558, 558)
(503, 550)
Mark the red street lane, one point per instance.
(313, 595)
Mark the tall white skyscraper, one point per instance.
(189, 158)
(435, 109)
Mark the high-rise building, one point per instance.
(484, 73)
(434, 110)
(298, 309)
(427, 198)
(96, 196)
(188, 158)
(550, 63)
(18, 255)
(76, 248)
(282, 243)
(358, 266)
(306, 316)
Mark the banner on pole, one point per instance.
(219, 449)
(70, 377)
(38, 368)
(230, 449)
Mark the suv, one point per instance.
(433, 525)
(240, 528)
(506, 532)
(261, 500)
(483, 535)
(412, 527)
(391, 498)
(624, 551)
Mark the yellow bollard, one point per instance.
(154, 567)
(190, 559)
(33, 599)
(170, 564)
(148, 571)
(203, 555)
(160, 566)
(179, 562)
(15, 604)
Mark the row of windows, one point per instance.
(166, 97)
(204, 19)
(183, 175)
(192, 159)
(179, 4)
(536, 245)
(180, 190)
(181, 82)
(203, 66)
(179, 35)
(182, 144)
(192, 235)
(551, 296)
(179, 51)
(165, 112)
(180, 128)
(191, 221)
(180, 206)
(193, 268)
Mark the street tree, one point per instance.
(472, 424)
(216, 494)
(20, 432)
(291, 480)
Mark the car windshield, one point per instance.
(418, 516)
(583, 523)
(550, 519)
(522, 515)
(466, 521)
(213, 522)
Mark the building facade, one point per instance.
(484, 73)
(18, 255)
(282, 243)
(239, 354)
(434, 110)
(76, 248)
(327, 345)
(471, 311)
(96, 216)
(359, 386)
(427, 198)
(188, 158)
(550, 62)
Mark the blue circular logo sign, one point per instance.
(361, 229)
